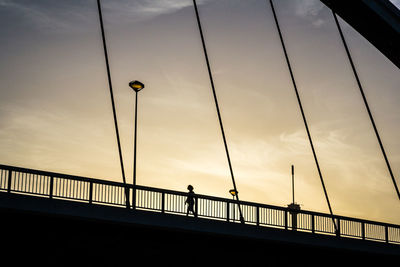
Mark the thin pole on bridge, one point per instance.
(217, 107)
(113, 103)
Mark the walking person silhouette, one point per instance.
(190, 201)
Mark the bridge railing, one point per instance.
(95, 191)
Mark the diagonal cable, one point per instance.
(113, 103)
(217, 107)
(366, 103)
(302, 113)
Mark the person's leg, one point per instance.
(190, 208)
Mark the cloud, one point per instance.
(62, 16)
(49, 16)
(141, 10)
(310, 10)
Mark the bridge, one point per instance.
(40, 204)
(49, 217)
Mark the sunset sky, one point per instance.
(55, 109)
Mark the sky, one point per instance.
(55, 109)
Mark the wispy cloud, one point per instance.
(56, 16)
(48, 16)
(146, 9)
(310, 10)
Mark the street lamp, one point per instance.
(233, 192)
(136, 86)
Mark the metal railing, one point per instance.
(95, 191)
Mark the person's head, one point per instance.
(190, 187)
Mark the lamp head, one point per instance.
(136, 86)
(233, 192)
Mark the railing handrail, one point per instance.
(268, 206)
(174, 192)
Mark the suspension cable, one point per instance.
(302, 112)
(113, 103)
(366, 102)
(217, 107)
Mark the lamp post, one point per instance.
(233, 192)
(136, 86)
(294, 208)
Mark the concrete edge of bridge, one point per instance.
(171, 222)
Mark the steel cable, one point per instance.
(302, 112)
(217, 106)
(366, 103)
(113, 103)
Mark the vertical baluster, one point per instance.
(99, 192)
(109, 194)
(163, 202)
(386, 234)
(62, 181)
(24, 182)
(227, 210)
(80, 184)
(65, 188)
(257, 215)
(113, 194)
(51, 187)
(146, 198)
(173, 203)
(69, 188)
(139, 198)
(363, 230)
(120, 190)
(31, 185)
(43, 180)
(39, 184)
(17, 182)
(106, 193)
(46, 182)
(90, 193)
(60, 186)
(312, 223)
(103, 193)
(74, 188)
(9, 181)
(196, 206)
(111, 200)
(286, 219)
(34, 182)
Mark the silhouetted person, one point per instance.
(190, 201)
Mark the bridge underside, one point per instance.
(40, 230)
(378, 21)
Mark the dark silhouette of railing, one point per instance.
(95, 191)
